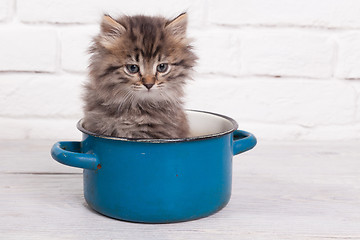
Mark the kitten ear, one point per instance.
(110, 30)
(111, 26)
(178, 25)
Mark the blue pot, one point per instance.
(159, 180)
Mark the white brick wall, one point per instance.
(75, 42)
(304, 13)
(284, 69)
(40, 95)
(28, 49)
(216, 56)
(89, 11)
(287, 53)
(348, 55)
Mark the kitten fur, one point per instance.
(146, 104)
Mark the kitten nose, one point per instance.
(148, 85)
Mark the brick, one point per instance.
(58, 11)
(320, 13)
(348, 62)
(358, 105)
(218, 51)
(89, 11)
(303, 102)
(292, 132)
(356, 86)
(290, 53)
(333, 133)
(6, 9)
(271, 131)
(63, 129)
(11, 129)
(28, 49)
(40, 95)
(75, 42)
(38, 128)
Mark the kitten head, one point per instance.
(141, 59)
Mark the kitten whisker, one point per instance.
(169, 99)
(125, 99)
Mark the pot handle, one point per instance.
(69, 153)
(243, 141)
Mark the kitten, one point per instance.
(138, 68)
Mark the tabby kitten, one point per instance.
(138, 68)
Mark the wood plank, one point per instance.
(280, 191)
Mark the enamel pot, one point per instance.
(159, 180)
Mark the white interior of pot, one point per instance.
(203, 124)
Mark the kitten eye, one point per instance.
(132, 68)
(162, 67)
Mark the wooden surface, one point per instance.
(280, 191)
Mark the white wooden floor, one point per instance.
(280, 191)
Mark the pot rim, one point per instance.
(167, 140)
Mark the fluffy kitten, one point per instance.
(138, 69)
